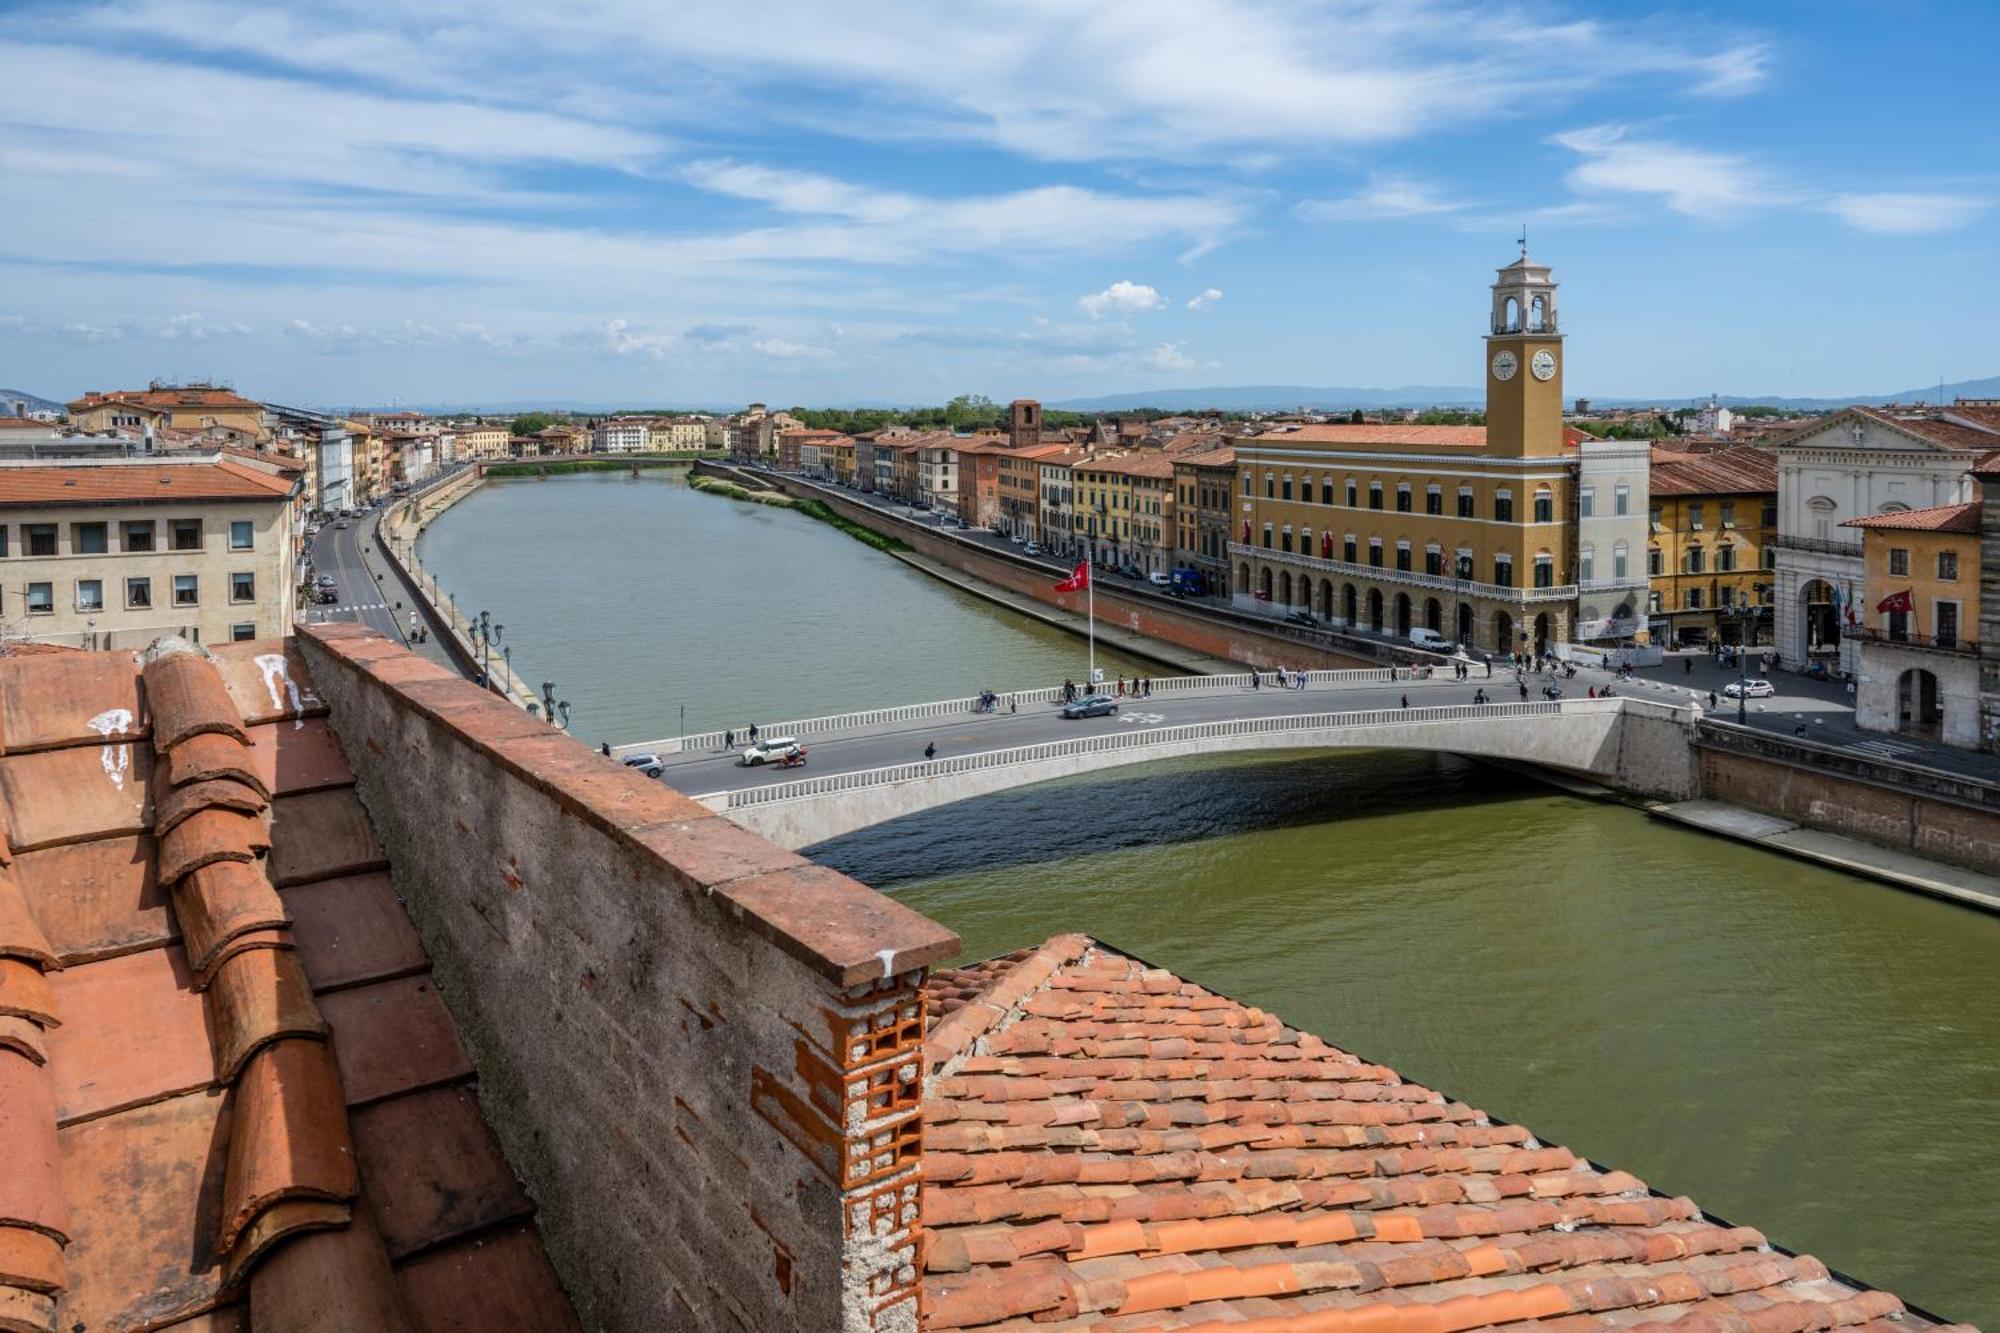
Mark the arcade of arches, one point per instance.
(1478, 622)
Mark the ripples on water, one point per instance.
(1799, 1050)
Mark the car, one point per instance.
(1749, 689)
(326, 581)
(767, 750)
(1430, 640)
(1159, 578)
(1016, 538)
(327, 594)
(1090, 705)
(642, 761)
(343, 525)
(1304, 618)
(1031, 549)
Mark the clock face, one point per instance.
(1504, 365)
(1544, 364)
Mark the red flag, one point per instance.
(1078, 580)
(1246, 532)
(1895, 602)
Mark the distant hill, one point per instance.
(9, 397)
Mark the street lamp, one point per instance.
(1746, 611)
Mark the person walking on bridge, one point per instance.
(930, 750)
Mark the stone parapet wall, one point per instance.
(701, 1051)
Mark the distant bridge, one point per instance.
(865, 768)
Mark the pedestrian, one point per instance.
(1299, 679)
(753, 733)
(1010, 703)
(1711, 699)
(1255, 682)
(930, 750)
(729, 739)
(1592, 693)
(1488, 657)
(1524, 687)
(1121, 687)
(1406, 701)
(605, 748)
(1688, 664)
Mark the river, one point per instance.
(1801, 1051)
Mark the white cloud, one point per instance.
(1899, 214)
(1208, 297)
(783, 349)
(1122, 297)
(77, 332)
(1384, 197)
(1692, 181)
(1168, 356)
(192, 327)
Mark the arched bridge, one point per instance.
(867, 768)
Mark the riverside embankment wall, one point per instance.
(1935, 815)
(1213, 632)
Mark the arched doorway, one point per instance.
(1433, 614)
(1542, 633)
(1375, 609)
(1403, 614)
(1503, 633)
(1465, 624)
(1243, 578)
(1326, 599)
(1305, 592)
(1821, 623)
(1285, 587)
(1264, 583)
(1918, 709)
(1347, 603)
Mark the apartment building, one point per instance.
(482, 443)
(1710, 560)
(112, 553)
(1473, 531)
(191, 406)
(979, 480)
(1140, 484)
(1021, 488)
(1056, 510)
(1204, 499)
(621, 435)
(1917, 640)
(937, 470)
(676, 435)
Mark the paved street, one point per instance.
(370, 589)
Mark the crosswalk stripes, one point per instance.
(1885, 749)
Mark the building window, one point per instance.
(1621, 500)
(90, 595)
(1725, 558)
(1248, 487)
(1374, 495)
(1403, 556)
(187, 590)
(1586, 502)
(1694, 518)
(1347, 549)
(1351, 502)
(1947, 565)
(40, 538)
(1545, 507)
(1586, 564)
(1728, 513)
(1270, 486)
(1465, 502)
(242, 587)
(1770, 557)
(139, 536)
(1770, 515)
(1692, 599)
(1503, 571)
(41, 599)
(1618, 561)
(139, 594)
(1433, 561)
(1267, 536)
(1899, 562)
(1375, 551)
(241, 535)
(1326, 489)
(186, 534)
(1503, 507)
(3, 539)
(1545, 571)
(1288, 486)
(1403, 498)
(243, 631)
(1654, 601)
(89, 538)
(1695, 561)
(1433, 500)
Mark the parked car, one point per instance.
(1016, 538)
(1159, 578)
(325, 581)
(1090, 705)
(327, 594)
(1749, 689)
(767, 750)
(1304, 618)
(1130, 571)
(1031, 549)
(1430, 640)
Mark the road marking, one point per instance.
(1885, 749)
(1142, 719)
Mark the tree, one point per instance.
(531, 422)
(1356, 419)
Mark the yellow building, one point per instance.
(481, 442)
(1710, 552)
(1918, 623)
(1509, 537)
(182, 407)
(1141, 483)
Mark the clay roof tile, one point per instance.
(186, 697)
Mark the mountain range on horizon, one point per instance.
(1227, 398)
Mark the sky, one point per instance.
(710, 202)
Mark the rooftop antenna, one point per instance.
(1522, 240)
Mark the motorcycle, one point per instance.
(796, 759)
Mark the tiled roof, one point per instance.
(1147, 463)
(1108, 1145)
(1223, 457)
(109, 483)
(1451, 437)
(165, 398)
(1939, 518)
(230, 1095)
(1741, 470)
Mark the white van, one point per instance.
(766, 749)
(1430, 640)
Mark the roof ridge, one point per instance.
(955, 1035)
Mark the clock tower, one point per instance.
(1524, 356)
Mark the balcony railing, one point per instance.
(1946, 643)
(1817, 545)
(1561, 592)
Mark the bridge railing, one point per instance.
(1047, 696)
(834, 783)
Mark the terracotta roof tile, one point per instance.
(1741, 470)
(1962, 518)
(203, 1136)
(1105, 1141)
(111, 483)
(1450, 437)
(500, 1280)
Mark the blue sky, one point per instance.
(713, 201)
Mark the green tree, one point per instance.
(531, 422)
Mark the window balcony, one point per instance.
(1561, 592)
(1923, 642)
(1817, 545)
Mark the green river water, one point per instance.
(1801, 1051)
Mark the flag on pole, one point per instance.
(1896, 602)
(1078, 580)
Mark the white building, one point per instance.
(937, 473)
(1852, 464)
(1613, 500)
(622, 435)
(1712, 418)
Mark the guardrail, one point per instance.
(1132, 740)
(1895, 774)
(875, 717)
